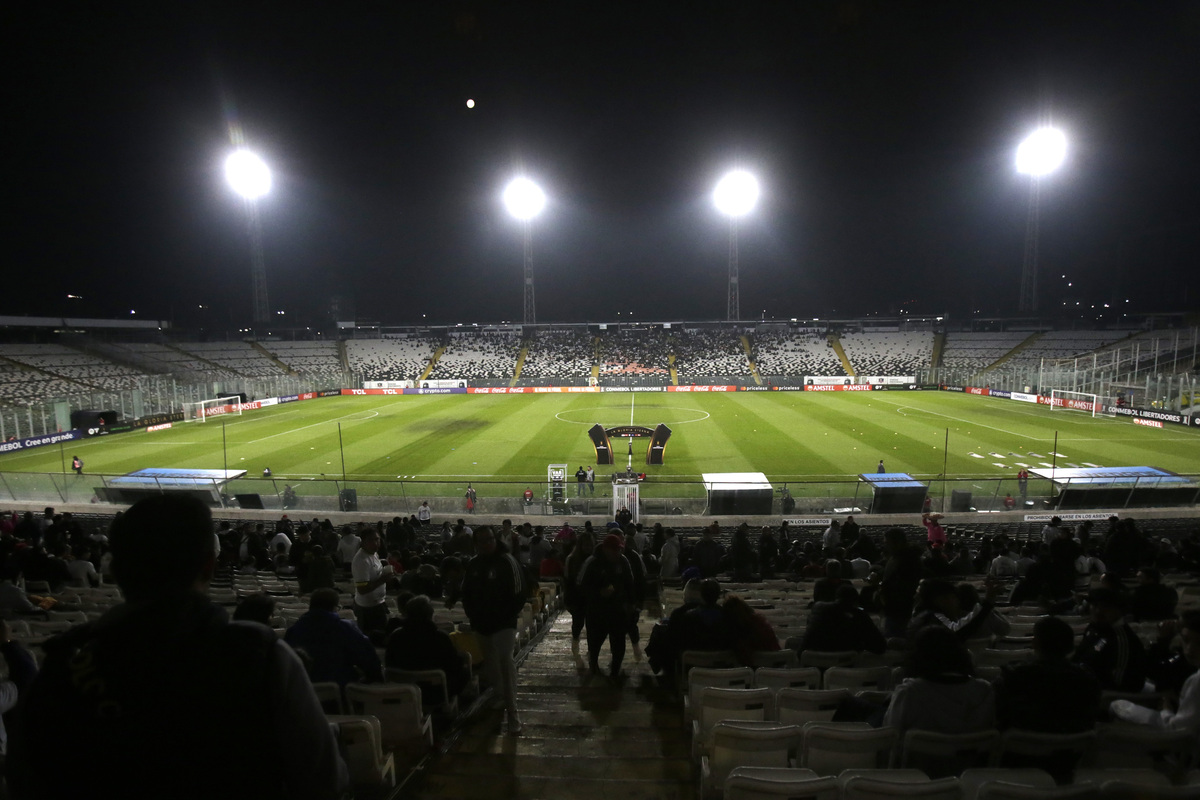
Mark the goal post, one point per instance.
(201, 410)
(1078, 401)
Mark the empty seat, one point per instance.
(855, 678)
(700, 678)
(801, 706)
(830, 747)
(359, 740)
(740, 744)
(433, 684)
(398, 709)
(941, 755)
(727, 705)
(972, 779)
(864, 788)
(770, 783)
(828, 658)
(787, 678)
(1057, 753)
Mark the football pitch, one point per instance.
(793, 437)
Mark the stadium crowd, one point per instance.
(351, 604)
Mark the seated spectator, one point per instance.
(941, 607)
(337, 650)
(1181, 713)
(82, 570)
(666, 638)
(1051, 694)
(750, 631)
(841, 625)
(942, 694)
(1152, 599)
(258, 607)
(172, 694)
(420, 645)
(707, 553)
(22, 669)
(14, 603)
(705, 626)
(320, 570)
(825, 589)
(1109, 649)
(1004, 566)
(1167, 667)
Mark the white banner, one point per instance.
(1094, 516)
(809, 522)
(1025, 398)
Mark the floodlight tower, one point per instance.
(735, 196)
(1042, 152)
(524, 200)
(250, 177)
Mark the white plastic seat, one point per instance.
(801, 706)
(864, 788)
(727, 705)
(972, 779)
(1119, 790)
(435, 678)
(1057, 753)
(855, 678)
(823, 659)
(1139, 777)
(945, 754)
(700, 678)
(329, 693)
(774, 659)
(359, 739)
(772, 783)
(787, 678)
(830, 747)
(742, 744)
(999, 790)
(398, 709)
(1131, 746)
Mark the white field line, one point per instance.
(313, 425)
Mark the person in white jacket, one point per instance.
(1182, 713)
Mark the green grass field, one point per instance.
(793, 437)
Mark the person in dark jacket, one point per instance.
(898, 588)
(337, 650)
(607, 583)
(493, 594)
(165, 691)
(1110, 649)
(418, 644)
(841, 625)
(1152, 599)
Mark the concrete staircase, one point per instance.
(520, 364)
(836, 343)
(750, 360)
(584, 737)
(432, 363)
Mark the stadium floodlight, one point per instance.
(524, 200)
(249, 176)
(1041, 153)
(735, 196)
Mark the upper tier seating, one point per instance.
(708, 352)
(242, 358)
(566, 354)
(63, 362)
(1065, 344)
(478, 356)
(795, 353)
(390, 359)
(890, 353)
(979, 349)
(634, 352)
(312, 358)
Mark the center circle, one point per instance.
(611, 417)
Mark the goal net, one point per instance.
(1079, 401)
(201, 410)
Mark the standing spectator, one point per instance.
(898, 588)
(493, 594)
(742, 554)
(370, 585)
(849, 533)
(831, 538)
(472, 498)
(1023, 484)
(580, 481)
(336, 650)
(768, 552)
(880, 469)
(591, 480)
(572, 592)
(706, 555)
(1051, 530)
(77, 465)
(935, 534)
(424, 514)
(148, 692)
(608, 590)
(348, 546)
(669, 557)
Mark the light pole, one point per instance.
(524, 200)
(1042, 152)
(249, 176)
(735, 196)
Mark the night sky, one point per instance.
(883, 133)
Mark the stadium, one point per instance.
(460, 401)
